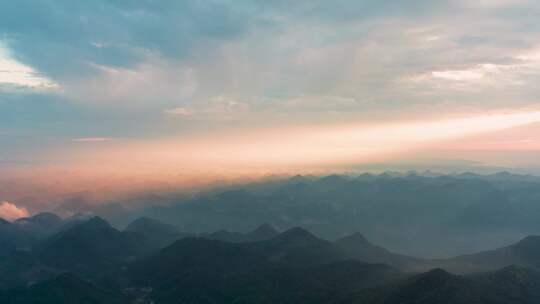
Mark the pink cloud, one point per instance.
(10, 212)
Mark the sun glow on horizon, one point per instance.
(120, 167)
(289, 148)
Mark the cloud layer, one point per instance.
(79, 76)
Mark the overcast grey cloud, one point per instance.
(67, 38)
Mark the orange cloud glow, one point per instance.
(10, 212)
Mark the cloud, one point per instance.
(476, 75)
(458, 75)
(69, 41)
(128, 69)
(10, 212)
(517, 70)
(217, 108)
(180, 111)
(491, 4)
(62, 38)
(14, 74)
(530, 56)
(155, 55)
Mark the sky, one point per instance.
(105, 92)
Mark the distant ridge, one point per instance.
(41, 224)
(150, 225)
(91, 247)
(358, 247)
(263, 232)
(298, 247)
(524, 253)
(156, 233)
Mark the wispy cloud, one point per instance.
(180, 111)
(217, 108)
(15, 74)
(517, 70)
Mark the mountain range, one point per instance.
(152, 262)
(421, 214)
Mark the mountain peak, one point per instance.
(265, 227)
(531, 239)
(435, 276)
(264, 231)
(530, 245)
(298, 179)
(44, 218)
(95, 222)
(297, 234)
(79, 217)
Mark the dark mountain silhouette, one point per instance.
(294, 266)
(91, 247)
(12, 238)
(199, 270)
(40, 225)
(74, 220)
(511, 285)
(192, 261)
(435, 286)
(318, 284)
(524, 253)
(225, 236)
(358, 247)
(157, 233)
(148, 225)
(65, 289)
(263, 232)
(297, 247)
(426, 216)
